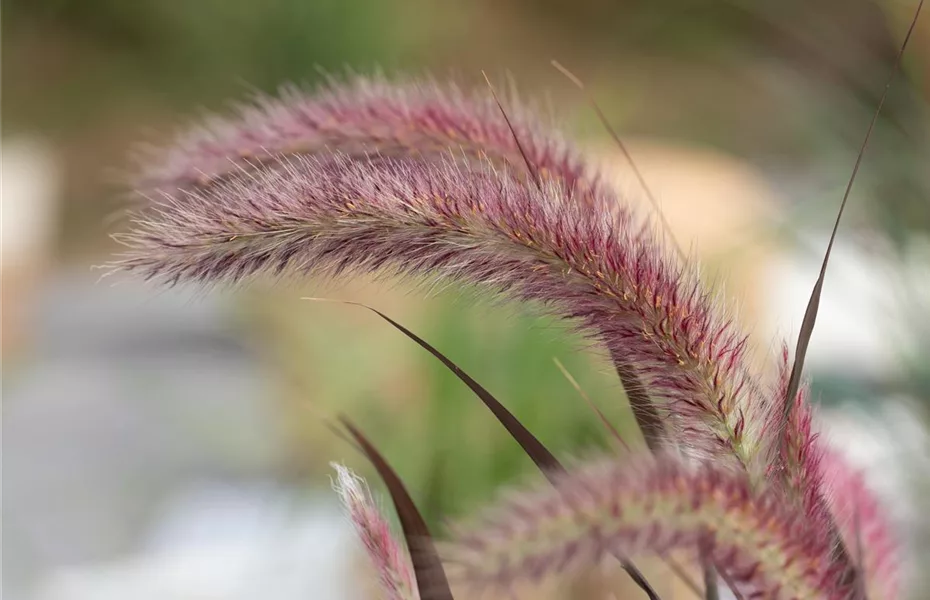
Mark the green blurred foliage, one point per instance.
(205, 51)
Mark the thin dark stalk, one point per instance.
(680, 572)
(529, 165)
(711, 589)
(600, 415)
(626, 153)
(730, 584)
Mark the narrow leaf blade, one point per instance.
(810, 314)
(538, 453)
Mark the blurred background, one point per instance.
(171, 444)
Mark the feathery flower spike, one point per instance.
(799, 470)
(373, 119)
(481, 226)
(762, 546)
(863, 524)
(364, 118)
(387, 556)
(797, 462)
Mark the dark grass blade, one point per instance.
(430, 575)
(545, 460)
(711, 589)
(810, 314)
(538, 453)
(638, 578)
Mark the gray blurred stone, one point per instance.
(227, 542)
(130, 393)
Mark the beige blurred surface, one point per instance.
(719, 208)
(29, 205)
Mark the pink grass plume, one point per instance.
(387, 556)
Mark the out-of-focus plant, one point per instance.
(186, 49)
(427, 181)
